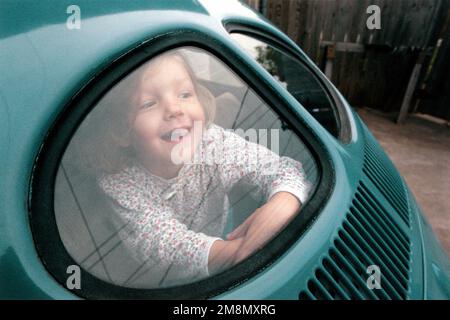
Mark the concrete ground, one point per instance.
(420, 149)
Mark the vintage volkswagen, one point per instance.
(359, 233)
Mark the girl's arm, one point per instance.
(281, 179)
(153, 231)
(223, 254)
(264, 223)
(242, 160)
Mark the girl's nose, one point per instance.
(172, 109)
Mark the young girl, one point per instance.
(175, 213)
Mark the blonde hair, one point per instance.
(96, 146)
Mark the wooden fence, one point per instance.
(370, 67)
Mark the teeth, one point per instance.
(177, 134)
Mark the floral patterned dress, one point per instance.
(174, 222)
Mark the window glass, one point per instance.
(178, 173)
(296, 78)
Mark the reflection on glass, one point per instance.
(296, 78)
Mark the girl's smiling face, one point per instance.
(167, 108)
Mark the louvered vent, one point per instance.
(380, 170)
(368, 236)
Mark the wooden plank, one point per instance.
(311, 25)
(279, 13)
(292, 20)
(358, 24)
(301, 21)
(284, 10)
(344, 46)
(409, 93)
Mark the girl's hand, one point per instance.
(241, 230)
(223, 255)
(264, 223)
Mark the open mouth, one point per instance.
(176, 135)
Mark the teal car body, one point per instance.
(368, 212)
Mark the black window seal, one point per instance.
(252, 30)
(42, 217)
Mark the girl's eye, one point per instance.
(148, 104)
(185, 95)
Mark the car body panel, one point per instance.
(44, 65)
